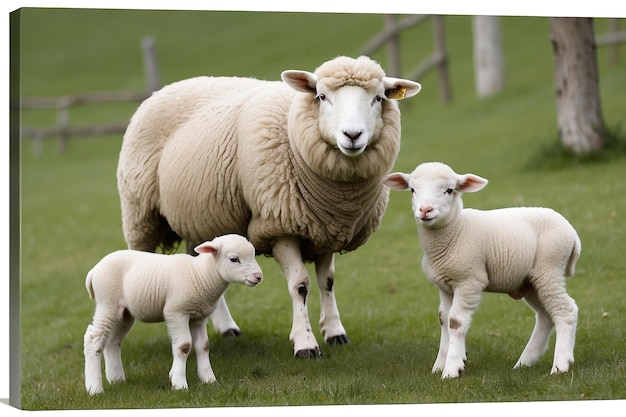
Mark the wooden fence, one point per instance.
(63, 129)
(438, 61)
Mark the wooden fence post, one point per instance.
(150, 65)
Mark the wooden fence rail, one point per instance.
(63, 129)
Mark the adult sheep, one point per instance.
(296, 166)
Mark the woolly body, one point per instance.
(179, 289)
(258, 157)
(526, 252)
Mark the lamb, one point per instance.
(525, 251)
(179, 289)
(295, 165)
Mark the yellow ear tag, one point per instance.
(396, 93)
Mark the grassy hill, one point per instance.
(70, 218)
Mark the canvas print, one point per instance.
(215, 209)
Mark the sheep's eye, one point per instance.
(234, 258)
(377, 99)
(321, 97)
(412, 190)
(449, 191)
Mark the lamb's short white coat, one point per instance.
(295, 165)
(180, 289)
(525, 251)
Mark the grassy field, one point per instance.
(70, 218)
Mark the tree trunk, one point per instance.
(488, 58)
(578, 105)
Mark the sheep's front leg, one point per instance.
(180, 335)
(445, 302)
(465, 301)
(330, 323)
(201, 347)
(286, 252)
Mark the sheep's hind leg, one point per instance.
(201, 347)
(564, 313)
(286, 252)
(330, 323)
(113, 348)
(93, 351)
(538, 342)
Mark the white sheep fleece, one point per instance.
(213, 155)
(524, 251)
(180, 289)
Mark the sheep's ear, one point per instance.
(302, 81)
(206, 247)
(398, 88)
(397, 181)
(470, 183)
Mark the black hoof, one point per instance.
(231, 333)
(342, 339)
(309, 353)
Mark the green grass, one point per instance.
(70, 219)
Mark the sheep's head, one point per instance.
(234, 259)
(350, 94)
(436, 191)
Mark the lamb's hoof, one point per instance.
(341, 339)
(231, 333)
(309, 353)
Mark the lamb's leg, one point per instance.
(92, 349)
(445, 302)
(180, 334)
(287, 253)
(201, 347)
(330, 323)
(94, 341)
(564, 313)
(113, 348)
(465, 301)
(538, 342)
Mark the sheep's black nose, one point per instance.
(352, 134)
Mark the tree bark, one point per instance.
(577, 89)
(488, 58)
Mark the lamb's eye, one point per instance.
(449, 191)
(321, 97)
(234, 258)
(412, 190)
(377, 99)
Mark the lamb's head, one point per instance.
(350, 95)
(234, 259)
(436, 191)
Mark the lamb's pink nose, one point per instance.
(258, 276)
(424, 210)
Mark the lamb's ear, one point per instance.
(397, 181)
(302, 81)
(206, 247)
(470, 183)
(398, 88)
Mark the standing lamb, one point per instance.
(526, 252)
(296, 166)
(179, 289)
